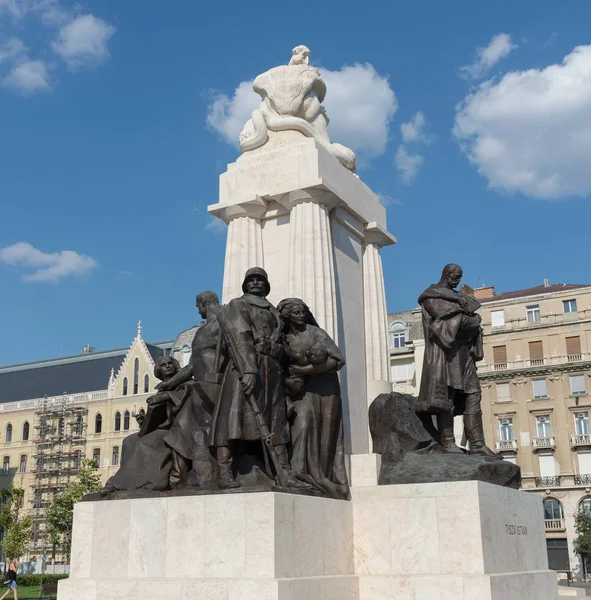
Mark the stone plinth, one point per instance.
(434, 541)
(244, 546)
(450, 541)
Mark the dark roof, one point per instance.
(72, 375)
(534, 291)
(155, 351)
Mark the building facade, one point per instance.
(55, 413)
(536, 379)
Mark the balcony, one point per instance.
(549, 481)
(580, 441)
(528, 363)
(543, 443)
(554, 525)
(584, 479)
(506, 446)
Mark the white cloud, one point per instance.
(51, 12)
(28, 77)
(50, 267)
(530, 132)
(83, 41)
(499, 47)
(414, 130)
(407, 164)
(360, 104)
(386, 200)
(216, 225)
(11, 48)
(227, 116)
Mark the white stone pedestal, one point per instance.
(435, 541)
(450, 541)
(246, 546)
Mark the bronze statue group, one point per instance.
(259, 404)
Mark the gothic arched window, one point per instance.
(98, 423)
(136, 375)
(126, 421)
(25, 431)
(117, 421)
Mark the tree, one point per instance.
(582, 542)
(17, 528)
(61, 512)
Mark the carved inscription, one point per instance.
(515, 529)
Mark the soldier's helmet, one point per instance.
(260, 272)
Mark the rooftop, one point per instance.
(87, 372)
(533, 291)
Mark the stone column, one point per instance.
(377, 354)
(244, 244)
(311, 263)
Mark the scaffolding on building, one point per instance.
(60, 439)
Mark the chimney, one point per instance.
(487, 291)
(88, 349)
(546, 284)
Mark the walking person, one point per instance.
(11, 578)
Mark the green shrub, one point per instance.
(29, 580)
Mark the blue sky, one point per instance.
(108, 159)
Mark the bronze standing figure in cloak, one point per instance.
(453, 345)
(252, 405)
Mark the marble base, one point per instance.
(440, 541)
(462, 540)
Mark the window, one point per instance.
(540, 390)
(96, 456)
(6, 465)
(536, 353)
(146, 384)
(136, 375)
(533, 313)
(582, 423)
(398, 340)
(117, 421)
(115, 457)
(79, 425)
(8, 437)
(497, 318)
(126, 420)
(98, 423)
(500, 355)
(125, 386)
(78, 459)
(553, 509)
(503, 392)
(585, 504)
(569, 306)
(25, 431)
(573, 347)
(577, 385)
(397, 335)
(543, 427)
(506, 430)
(23, 466)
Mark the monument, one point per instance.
(236, 487)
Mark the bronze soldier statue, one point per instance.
(252, 403)
(453, 345)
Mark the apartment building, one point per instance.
(536, 379)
